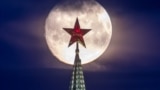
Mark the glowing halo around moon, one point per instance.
(92, 16)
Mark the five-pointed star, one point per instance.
(76, 33)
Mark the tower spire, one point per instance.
(77, 81)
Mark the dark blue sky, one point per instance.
(130, 63)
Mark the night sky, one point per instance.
(131, 62)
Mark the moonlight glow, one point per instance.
(91, 15)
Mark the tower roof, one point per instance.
(77, 80)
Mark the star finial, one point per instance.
(76, 33)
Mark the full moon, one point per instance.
(92, 16)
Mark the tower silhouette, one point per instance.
(77, 80)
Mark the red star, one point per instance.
(76, 33)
